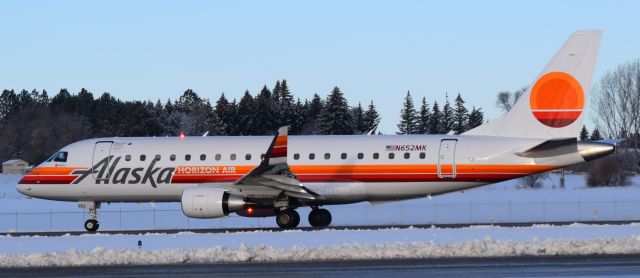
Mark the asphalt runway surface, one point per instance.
(376, 227)
(578, 266)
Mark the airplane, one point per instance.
(264, 176)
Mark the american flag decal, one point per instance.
(391, 148)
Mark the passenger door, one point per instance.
(446, 158)
(102, 151)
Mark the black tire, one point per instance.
(320, 218)
(91, 225)
(288, 219)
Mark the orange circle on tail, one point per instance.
(557, 99)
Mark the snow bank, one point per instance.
(355, 251)
(296, 245)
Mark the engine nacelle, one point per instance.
(205, 202)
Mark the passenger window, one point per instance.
(61, 157)
(312, 156)
(218, 157)
(327, 155)
(392, 155)
(423, 155)
(233, 156)
(127, 157)
(247, 156)
(172, 157)
(157, 157)
(360, 155)
(187, 157)
(143, 157)
(376, 155)
(407, 155)
(343, 155)
(296, 156)
(203, 157)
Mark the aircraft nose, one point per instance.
(23, 188)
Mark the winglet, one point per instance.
(277, 152)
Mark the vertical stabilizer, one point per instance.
(553, 105)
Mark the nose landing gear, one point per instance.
(92, 224)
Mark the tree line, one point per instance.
(35, 124)
(434, 120)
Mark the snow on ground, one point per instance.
(480, 241)
(502, 202)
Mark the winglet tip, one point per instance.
(283, 130)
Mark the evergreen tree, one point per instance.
(85, 103)
(226, 113)
(447, 117)
(312, 112)
(213, 124)
(335, 117)
(584, 133)
(297, 117)
(246, 116)
(460, 116)
(264, 118)
(8, 105)
(408, 123)
(435, 121)
(357, 114)
(371, 119)
(285, 105)
(476, 118)
(423, 117)
(189, 101)
(595, 135)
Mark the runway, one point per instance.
(373, 227)
(576, 266)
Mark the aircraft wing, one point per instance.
(274, 173)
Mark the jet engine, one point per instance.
(205, 202)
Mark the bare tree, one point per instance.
(617, 103)
(535, 180)
(505, 100)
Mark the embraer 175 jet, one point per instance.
(261, 176)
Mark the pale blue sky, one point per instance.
(372, 50)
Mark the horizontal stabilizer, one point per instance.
(611, 141)
(552, 147)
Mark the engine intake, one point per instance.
(205, 202)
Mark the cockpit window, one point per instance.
(52, 157)
(61, 157)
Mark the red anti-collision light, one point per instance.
(182, 135)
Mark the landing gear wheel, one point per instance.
(288, 219)
(91, 225)
(319, 218)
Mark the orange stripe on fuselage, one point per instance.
(397, 169)
(52, 171)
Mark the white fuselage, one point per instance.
(342, 169)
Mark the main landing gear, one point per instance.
(319, 218)
(289, 218)
(92, 224)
